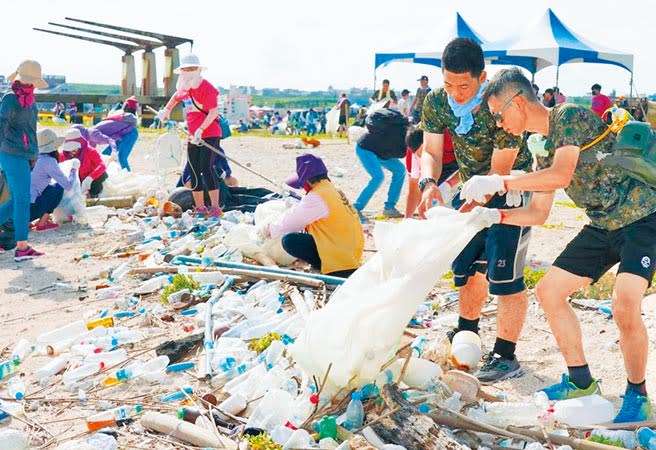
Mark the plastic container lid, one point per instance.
(357, 395)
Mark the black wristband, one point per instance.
(425, 181)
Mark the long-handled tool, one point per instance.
(222, 154)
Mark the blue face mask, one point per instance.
(536, 143)
(464, 112)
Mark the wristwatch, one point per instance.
(425, 181)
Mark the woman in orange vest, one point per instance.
(323, 228)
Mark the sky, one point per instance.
(312, 45)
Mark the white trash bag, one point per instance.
(361, 327)
(332, 121)
(73, 203)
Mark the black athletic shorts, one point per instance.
(594, 250)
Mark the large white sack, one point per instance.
(121, 183)
(267, 252)
(73, 203)
(361, 326)
(332, 120)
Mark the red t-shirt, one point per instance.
(600, 103)
(206, 97)
(447, 156)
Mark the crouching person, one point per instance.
(92, 172)
(323, 229)
(45, 196)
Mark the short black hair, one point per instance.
(463, 55)
(386, 81)
(509, 82)
(317, 178)
(405, 91)
(595, 86)
(548, 91)
(414, 138)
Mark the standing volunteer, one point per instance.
(18, 146)
(494, 259)
(622, 212)
(200, 104)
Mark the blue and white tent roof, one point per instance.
(550, 42)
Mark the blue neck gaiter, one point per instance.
(464, 112)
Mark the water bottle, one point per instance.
(354, 412)
(181, 394)
(234, 404)
(617, 438)
(107, 359)
(70, 331)
(584, 411)
(7, 368)
(157, 364)
(21, 350)
(50, 369)
(16, 388)
(107, 322)
(647, 438)
(112, 417)
(72, 376)
(502, 414)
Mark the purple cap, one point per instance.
(307, 166)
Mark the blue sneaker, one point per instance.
(566, 389)
(635, 408)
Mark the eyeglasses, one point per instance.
(498, 116)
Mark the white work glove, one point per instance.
(484, 217)
(262, 231)
(514, 199)
(163, 115)
(197, 137)
(479, 186)
(86, 184)
(75, 163)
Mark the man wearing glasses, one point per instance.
(622, 212)
(494, 259)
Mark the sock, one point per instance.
(469, 325)
(640, 388)
(580, 376)
(504, 348)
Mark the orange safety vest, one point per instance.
(339, 236)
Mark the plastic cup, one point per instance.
(465, 350)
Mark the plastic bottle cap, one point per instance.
(19, 396)
(357, 395)
(138, 409)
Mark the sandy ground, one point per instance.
(32, 302)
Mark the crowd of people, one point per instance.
(471, 130)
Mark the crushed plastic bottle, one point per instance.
(72, 376)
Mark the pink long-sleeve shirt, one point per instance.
(310, 209)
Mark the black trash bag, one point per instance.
(180, 349)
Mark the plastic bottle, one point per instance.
(7, 368)
(22, 348)
(617, 438)
(234, 404)
(502, 414)
(102, 441)
(647, 438)
(13, 440)
(181, 394)
(584, 411)
(106, 322)
(70, 331)
(107, 359)
(354, 412)
(50, 369)
(72, 376)
(157, 364)
(116, 416)
(465, 350)
(16, 388)
(328, 427)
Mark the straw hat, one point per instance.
(188, 61)
(29, 72)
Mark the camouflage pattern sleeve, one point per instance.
(431, 113)
(502, 139)
(572, 126)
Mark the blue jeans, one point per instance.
(124, 147)
(374, 167)
(47, 201)
(18, 176)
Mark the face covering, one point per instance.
(536, 143)
(188, 80)
(464, 112)
(24, 92)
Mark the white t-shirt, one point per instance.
(404, 106)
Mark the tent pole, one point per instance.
(557, 74)
(631, 87)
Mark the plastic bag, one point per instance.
(332, 121)
(123, 183)
(361, 327)
(268, 252)
(73, 203)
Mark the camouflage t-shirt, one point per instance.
(611, 198)
(473, 150)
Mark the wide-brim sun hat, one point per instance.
(48, 141)
(188, 61)
(307, 166)
(29, 72)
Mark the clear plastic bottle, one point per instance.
(617, 438)
(16, 388)
(112, 417)
(72, 376)
(647, 438)
(502, 414)
(108, 359)
(354, 412)
(7, 368)
(50, 369)
(157, 364)
(22, 349)
(66, 332)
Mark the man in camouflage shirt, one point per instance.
(622, 212)
(495, 257)
(420, 96)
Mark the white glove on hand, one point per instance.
(163, 115)
(484, 217)
(479, 186)
(112, 145)
(514, 199)
(197, 137)
(86, 184)
(262, 231)
(75, 163)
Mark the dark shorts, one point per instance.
(594, 250)
(342, 120)
(499, 252)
